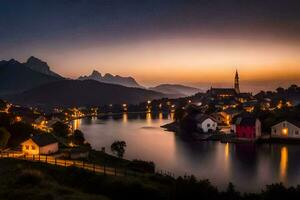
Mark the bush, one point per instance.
(142, 166)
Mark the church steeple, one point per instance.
(237, 82)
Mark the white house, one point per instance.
(286, 129)
(40, 144)
(206, 123)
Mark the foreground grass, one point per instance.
(21, 179)
(24, 180)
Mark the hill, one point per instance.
(109, 78)
(176, 90)
(83, 93)
(16, 77)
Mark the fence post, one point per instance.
(83, 164)
(115, 171)
(94, 170)
(104, 170)
(32, 157)
(65, 162)
(46, 159)
(39, 157)
(55, 161)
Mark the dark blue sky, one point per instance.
(26, 21)
(46, 28)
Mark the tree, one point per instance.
(118, 148)
(5, 120)
(78, 137)
(61, 129)
(2, 104)
(4, 137)
(20, 131)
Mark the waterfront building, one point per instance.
(206, 123)
(247, 128)
(286, 129)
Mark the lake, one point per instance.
(248, 166)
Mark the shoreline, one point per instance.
(229, 138)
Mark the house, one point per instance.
(244, 97)
(220, 117)
(206, 123)
(40, 144)
(53, 121)
(247, 128)
(250, 105)
(286, 129)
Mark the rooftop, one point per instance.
(43, 139)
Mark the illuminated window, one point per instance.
(32, 147)
(27, 147)
(285, 131)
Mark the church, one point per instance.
(227, 92)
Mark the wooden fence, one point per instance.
(92, 167)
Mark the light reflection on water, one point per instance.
(249, 166)
(283, 163)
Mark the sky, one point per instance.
(193, 42)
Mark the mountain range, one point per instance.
(40, 66)
(71, 93)
(16, 77)
(109, 78)
(175, 90)
(33, 82)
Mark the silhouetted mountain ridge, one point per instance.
(83, 93)
(40, 66)
(109, 78)
(15, 77)
(176, 89)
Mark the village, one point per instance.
(231, 116)
(223, 114)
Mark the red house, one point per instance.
(248, 128)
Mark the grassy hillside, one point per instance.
(27, 180)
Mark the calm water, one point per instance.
(246, 165)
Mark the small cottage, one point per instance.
(206, 123)
(40, 144)
(286, 129)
